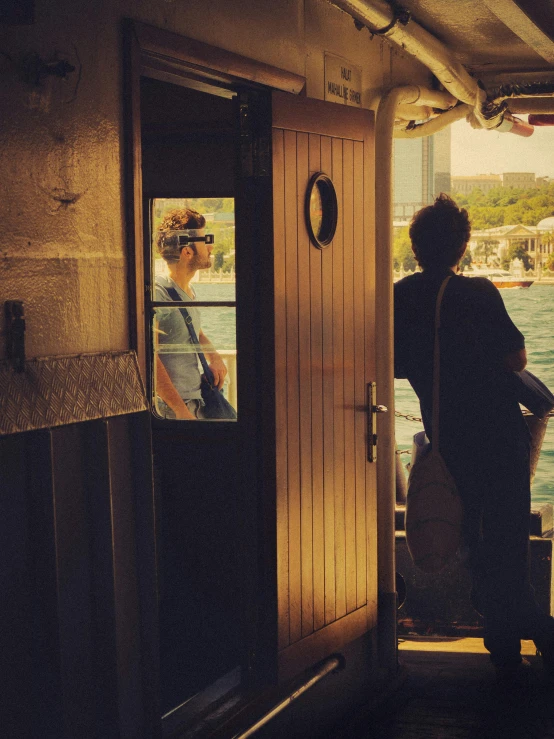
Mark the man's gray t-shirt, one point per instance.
(175, 347)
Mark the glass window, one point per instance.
(194, 358)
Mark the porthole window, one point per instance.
(321, 210)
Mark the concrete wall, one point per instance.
(62, 245)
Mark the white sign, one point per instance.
(343, 81)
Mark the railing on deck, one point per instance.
(229, 356)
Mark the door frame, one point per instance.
(172, 58)
(152, 52)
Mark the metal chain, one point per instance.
(409, 417)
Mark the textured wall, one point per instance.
(62, 247)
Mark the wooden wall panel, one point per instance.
(80, 651)
(328, 408)
(305, 388)
(349, 374)
(283, 635)
(316, 360)
(359, 377)
(339, 467)
(73, 570)
(322, 366)
(370, 329)
(293, 376)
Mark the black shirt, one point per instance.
(476, 334)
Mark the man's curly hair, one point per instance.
(439, 233)
(177, 220)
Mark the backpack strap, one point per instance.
(174, 295)
(437, 368)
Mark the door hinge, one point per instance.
(254, 130)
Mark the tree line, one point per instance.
(503, 206)
(499, 207)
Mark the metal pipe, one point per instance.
(515, 125)
(407, 113)
(436, 124)
(384, 352)
(332, 664)
(531, 105)
(396, 25)
(417, 42)
(520, 90)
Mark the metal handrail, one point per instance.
(335, 663)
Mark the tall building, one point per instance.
(442, 149)
(421, 172)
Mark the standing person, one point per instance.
(484, 438)
(177, 372)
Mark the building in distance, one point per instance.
(421, 171)
(486, 182)
(537, 241)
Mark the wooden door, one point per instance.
(324, 348)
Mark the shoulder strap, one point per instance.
(174, 295)
(437, 367)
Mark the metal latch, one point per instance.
(15, 330)
(372, 410)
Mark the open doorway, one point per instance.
(505, 184)
(189, 159)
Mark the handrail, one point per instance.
(335, 663)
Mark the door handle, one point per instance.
(372, 410)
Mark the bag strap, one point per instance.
(437, 369)
(174, 295)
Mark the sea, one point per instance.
(531, 309)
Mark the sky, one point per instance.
(484, 152)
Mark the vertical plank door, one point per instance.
(324, 334)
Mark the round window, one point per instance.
(321, 210)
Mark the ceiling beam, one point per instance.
(514, 15)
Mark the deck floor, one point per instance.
(450, 693)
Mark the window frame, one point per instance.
(150, 305)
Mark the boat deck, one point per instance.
(450, 692)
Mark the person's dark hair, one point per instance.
(177, 220)
(439, 233)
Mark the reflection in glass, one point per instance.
(321, 210)
(316, 210)
(195, 272)
(219, 214)
(179, 355)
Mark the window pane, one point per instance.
(219, 214)
(181, 368)
(193, 259)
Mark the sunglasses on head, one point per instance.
(180, 239)
(184, 240)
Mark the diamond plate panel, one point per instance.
(54, 391)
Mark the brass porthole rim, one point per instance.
(330, 210)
